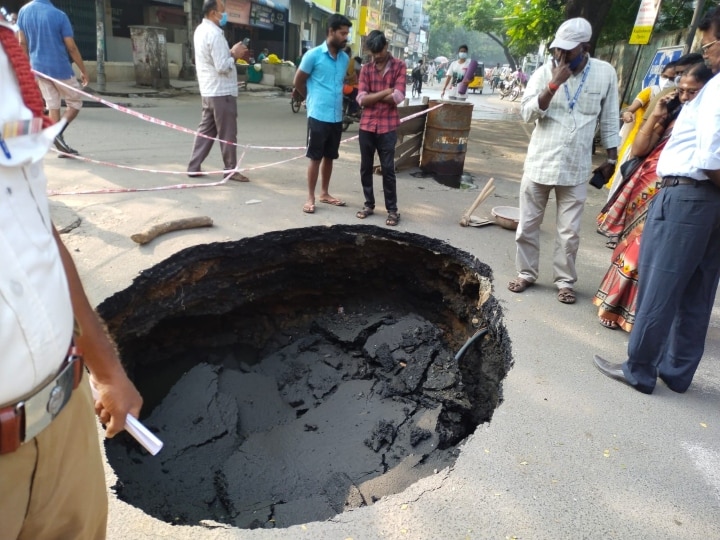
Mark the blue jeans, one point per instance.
(384, 144)
(679, 269)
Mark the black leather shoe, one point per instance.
(61, 145)
(614, 371)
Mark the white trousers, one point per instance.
(533, 201)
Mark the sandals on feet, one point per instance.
(365, 212)
(566, 295)
(309, 208)
(333, 201)
(519, 284)
(393, 219)
(607, 323)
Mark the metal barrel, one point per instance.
(446, 136)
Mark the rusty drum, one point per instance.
(446, 137)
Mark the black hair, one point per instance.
(375, 41)
(711, 21)
(337, 21)
(669, 65)
(208, 6)
(700, 72)
(463, 47)
(420, 62)
(689, 59)
(358, 60)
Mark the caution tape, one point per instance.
(177, 127)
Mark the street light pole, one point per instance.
(100, 49)
(699, 4)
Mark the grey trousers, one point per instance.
(219, 119)
(570, 204)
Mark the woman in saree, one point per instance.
(624, 215)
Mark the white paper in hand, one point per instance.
(138, 431)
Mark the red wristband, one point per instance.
(553, 87)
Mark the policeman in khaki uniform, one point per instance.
(52, 483)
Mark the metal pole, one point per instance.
(699, 4)
(100, 50)
(631, 79)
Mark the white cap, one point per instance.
(572, 33)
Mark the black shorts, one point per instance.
(323, 139)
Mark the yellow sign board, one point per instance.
(640, 35)
(644, 22)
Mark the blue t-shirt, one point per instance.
(45, 28)
(325, 83)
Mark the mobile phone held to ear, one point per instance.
(246, 41)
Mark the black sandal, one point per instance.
(365, 212)
(393, 219)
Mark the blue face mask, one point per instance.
(462, 55)
(223, 19)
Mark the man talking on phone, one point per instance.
(565, 99)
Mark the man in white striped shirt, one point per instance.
(565, 98)
(217, 77)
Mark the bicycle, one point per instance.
(415, 88)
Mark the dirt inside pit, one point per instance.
(298, 374)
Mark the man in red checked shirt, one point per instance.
(381, 88)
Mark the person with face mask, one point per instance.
(456, 72)
(679, 260)
(632, 118)
(624, 215)
(217, 78)
(565, 99)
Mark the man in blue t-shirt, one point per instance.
(320, 78)
(47, 36)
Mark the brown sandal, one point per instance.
(566, 295)
(519, 284)
(393, 219)
(365, 212)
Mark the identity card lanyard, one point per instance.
(573, 101)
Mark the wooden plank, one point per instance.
(408, 145)
(411, 127)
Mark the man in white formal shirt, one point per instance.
(565, 99)
(217, 77)
(52, 482)
(679, 263)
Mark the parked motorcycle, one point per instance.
(349, 119)
(511, 88)
(296, 101)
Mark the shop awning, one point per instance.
(277, 6)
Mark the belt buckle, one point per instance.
(40, 410)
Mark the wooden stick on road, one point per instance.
(169, 226)
(484, 194)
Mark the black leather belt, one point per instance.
(670, 181)
(24, 420)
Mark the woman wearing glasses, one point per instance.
(624, 214)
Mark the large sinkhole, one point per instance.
(302, 373)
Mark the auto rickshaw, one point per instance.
(479, 79)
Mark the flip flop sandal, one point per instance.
(333, 201)
(309, 208)
(519, 284)
(566, 295)
(607, 323)
(365, 212)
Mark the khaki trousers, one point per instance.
(533, 201)
(53, 487)
(219, 119)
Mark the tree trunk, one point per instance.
(593, 10)
(508, 54)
